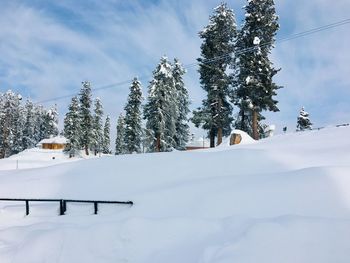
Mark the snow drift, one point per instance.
(283, 199)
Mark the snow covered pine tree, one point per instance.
(86, 134)
(71, 128)
(216, 49)
(181, 124)
(120, 147)
(28, 140)
(106, 136)
(161, 109)
(254, 71)
(133, 128)
(303, 122)
(97, 132)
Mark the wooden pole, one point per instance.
(95, 208)
(27, 207)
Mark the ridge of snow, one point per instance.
(281, 199)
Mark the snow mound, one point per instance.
(246, 139)
(284, 199)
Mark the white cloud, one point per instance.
(46, 53)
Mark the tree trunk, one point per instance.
(243, 120)
(212, 139)
(86, 150)
(158, 143)
(255, 125)
(219, 136)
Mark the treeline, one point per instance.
(235, 70)
(159, 125)
(23, 124)
(84, 127)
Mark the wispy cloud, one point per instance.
(48, 48)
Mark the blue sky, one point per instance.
(48, 47)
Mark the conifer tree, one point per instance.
(85, 117)
(50, 124)
(133, 128)
(119, 141)
(17, 125)
(303, 122)
(181, 123)
(254, 71)
(106, 136)
(39, 123)
(28, 132)
(72, 128)
(97, 139)
(161, 109)
(218, 45)
(11, 124)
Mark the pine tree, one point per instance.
(218, 43)
(17, 125)
(50, 124)
(119, 141)
(28, 140)
(39, 123)
(303, 122)
(11, 124)
(71, 128)
(254, 70)
(97, 139)
(106, 136)
(161, 110)
(85, 116)
(133, 128)
(182, 129)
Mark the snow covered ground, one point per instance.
(37, 157)
(283, 199)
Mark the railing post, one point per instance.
(61, 208)
(27, 207)
(64, 206)
(95, 208)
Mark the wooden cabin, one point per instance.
(54, 143)
(197, 144)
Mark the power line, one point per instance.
(208, 61)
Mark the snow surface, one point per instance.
(282, 199)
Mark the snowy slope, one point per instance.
(283, 199)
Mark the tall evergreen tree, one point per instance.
(11, 124)
(161, 109)
(28, 132)
(254, 70)
(86, 135)
(39, 123)
(97, 138)
(181, 123)
(303, 122)
(218, 44)
(50, 124)
(18, 125)
(106, 136)
(119, 141)
(133, 128)
(71, 128)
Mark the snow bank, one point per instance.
(282, 199)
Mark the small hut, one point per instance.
(54, 143)
(196, 144)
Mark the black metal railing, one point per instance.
(63, 203)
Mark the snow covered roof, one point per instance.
(55, 140)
